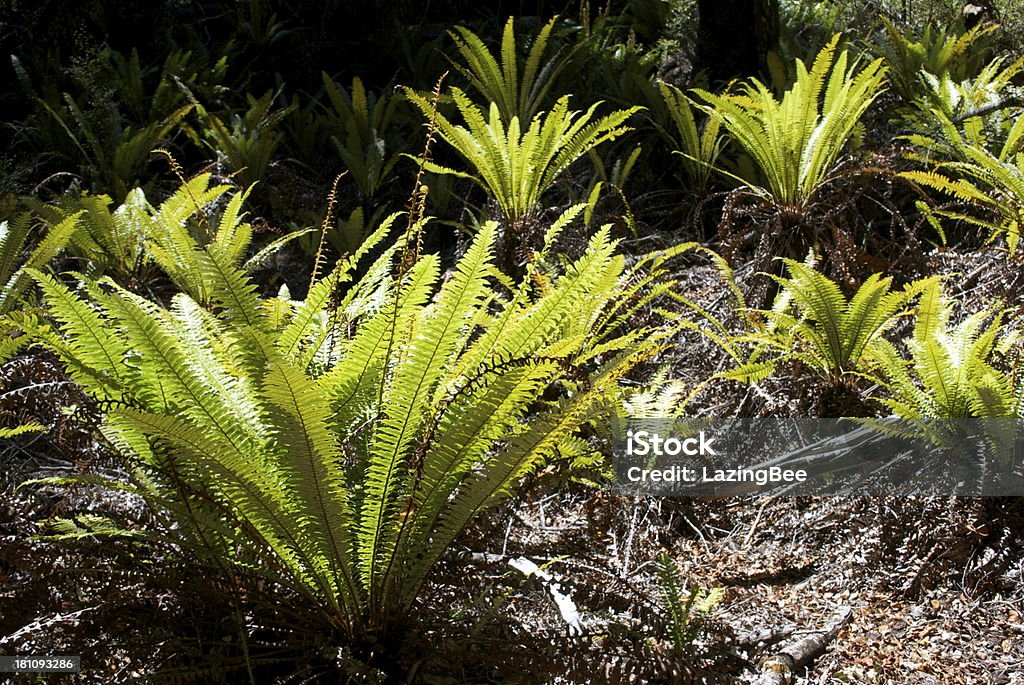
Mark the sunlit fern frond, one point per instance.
(519, 90)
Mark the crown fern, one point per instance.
(127, 241)
(813, 322)
(516, 162)
(796, 141)
(994, 184)
(951, 371)
(498, 79)
(338, 445)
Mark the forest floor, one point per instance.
(933, 588)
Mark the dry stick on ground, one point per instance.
(779, 668)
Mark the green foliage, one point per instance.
(115, 157)
(519, 91)
(647, 19)
(951, 371)
(806, 27)
(813, 322)
(986, 108)
(368, 146)
(15, 235)
(687, 610)
(700, 147)
(988, 92)
(16, 431)
(990, 183)
(117, 112)
(795, 142)
(608, 61)
(752, 360)
(337, 446)
(248, 141)
(126, 241)
(516, 165)
(938, 53)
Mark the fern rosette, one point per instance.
(337, 446)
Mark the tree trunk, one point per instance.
(975, 12)
(734, 37)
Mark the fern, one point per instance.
(248, 141)
(127, 241)
(368, 147)
(951, 372)
(687, 611)
(938, 53)
(994, 184)
(796, 142)
(14, 239)
(513, 164)
(339, 445)
(24, 429)
(519, 91)
(114, 161)
(701, 148)
(751, 360)
(813, 322)
(118, 114)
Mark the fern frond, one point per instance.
(87, 341)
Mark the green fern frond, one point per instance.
(23, 429)
(14, 237)
(987, 182)
(834, 335)
(687, 610)
(950, 373)
(498, 79)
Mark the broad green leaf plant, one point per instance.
(337, 446)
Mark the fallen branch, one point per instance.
(779, 668)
